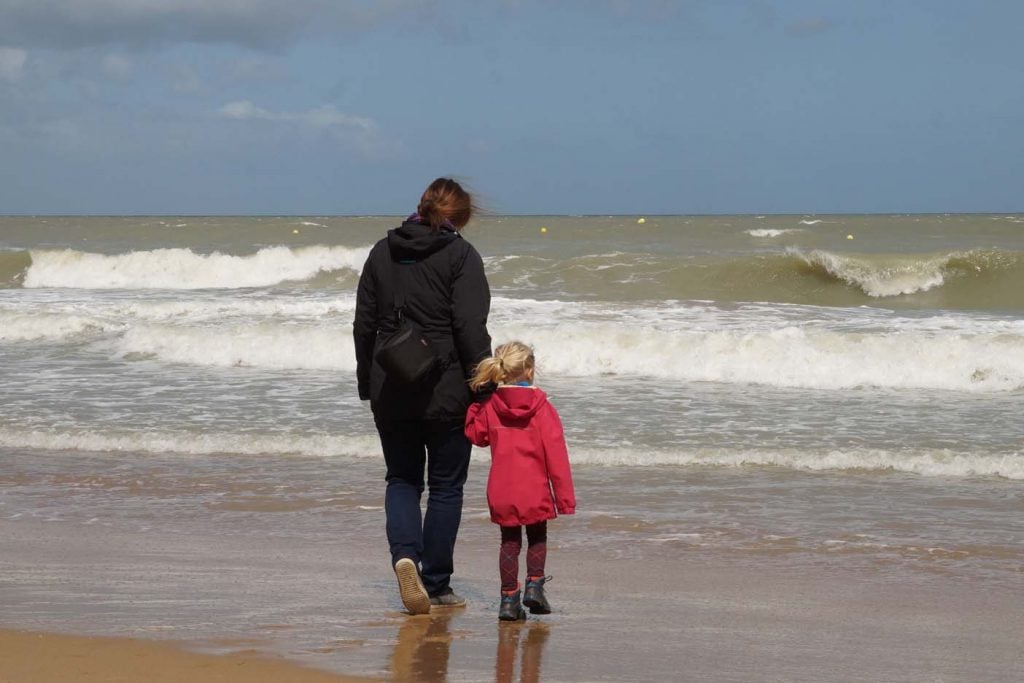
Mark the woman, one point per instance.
(438, 280)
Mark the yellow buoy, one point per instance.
(849, 237)
(641, 221)
(543, 229)
(295, 232)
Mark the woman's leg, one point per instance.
(405, 456)
(508, 557)
(448, 452)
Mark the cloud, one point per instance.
(185, 79)
(12, 63)
(356, 131)
(117, 67)
(809, 27)
(321, 117)
(261, 24)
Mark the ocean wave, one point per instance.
(936, 463)
(771, 232)
(185, 269)
(192, 443)
(13, 265)
(266, 345)
(990, 279)
(781, 346)
(791, 356)
(939, 463)
(881, 276)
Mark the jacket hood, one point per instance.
(518, 403)
(413, 240)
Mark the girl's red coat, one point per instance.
(530, 480)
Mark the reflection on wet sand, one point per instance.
(423, 647)
(532, 635)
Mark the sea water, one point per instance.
(793, 389)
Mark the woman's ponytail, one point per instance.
(446, 204)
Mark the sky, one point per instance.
(351, 107)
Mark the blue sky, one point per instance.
(559, 106)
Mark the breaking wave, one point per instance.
(185, 269)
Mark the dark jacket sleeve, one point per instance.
(471, 303)
(364, 328)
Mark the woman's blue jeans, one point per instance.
(441, 450)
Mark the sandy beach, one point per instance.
(796, 456)
(54, 658)
(225, 599)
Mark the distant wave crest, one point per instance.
(924, 462)
(882, 276)
(185, 269)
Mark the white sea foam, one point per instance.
(71, 321)
(185, 269)
(790, 356)
(882, 278)
(938, 463)
(271, 346)
(784, 346)
(192, 443)
(19, 327)
(770, 232)
(814, 221)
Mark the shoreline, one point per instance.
(233, 604)
(45, 657)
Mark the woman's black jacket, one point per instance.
(447, 295)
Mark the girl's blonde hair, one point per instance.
(511, 361)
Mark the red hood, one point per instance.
(518, 403)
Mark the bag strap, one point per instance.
(396, 269)
(399, 280)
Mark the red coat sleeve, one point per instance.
(556, 456)
(476, 424)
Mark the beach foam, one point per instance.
(192, 443)
(882, 278)
(185, 269)
(936, 463)
(785, 357)
(770, 232)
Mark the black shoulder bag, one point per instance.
(407, 355)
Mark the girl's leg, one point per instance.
(536, 555)
(508, 557)
(537, 549)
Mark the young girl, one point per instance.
(528, 460)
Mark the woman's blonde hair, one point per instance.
(510, 362)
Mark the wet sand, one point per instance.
(52, 658)
(627, 615)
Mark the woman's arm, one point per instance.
(471, 304)
(364, 327)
